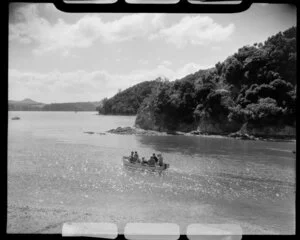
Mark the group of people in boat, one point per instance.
(154, 160)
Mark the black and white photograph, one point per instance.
(177, 118)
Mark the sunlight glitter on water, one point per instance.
(75, 169)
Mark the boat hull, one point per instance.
(127, 163)
(15, 118)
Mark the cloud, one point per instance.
(32, 28)
(216, 48)
(81, 85)
(143, 61)
(58, 86)
(29, 27)
(190, 68)
(167, 63)
(196, 30)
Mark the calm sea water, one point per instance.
(52, 162)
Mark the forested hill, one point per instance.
(128, 101)
(74, 106)
(30, 105)
(254, 88)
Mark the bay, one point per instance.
(59, 173)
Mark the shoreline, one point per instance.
(139, 131)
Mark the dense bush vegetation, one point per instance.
(256, 85)
(128, 101)
(76, 106)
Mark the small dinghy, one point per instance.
(15, 118)
(137, 165)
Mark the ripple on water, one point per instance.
(50, 171)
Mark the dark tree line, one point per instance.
(76, 106)
(128, 101)
(257, 85)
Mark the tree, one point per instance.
(266, 111)
(256, 85)
(233, 70)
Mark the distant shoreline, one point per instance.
(140, 131)
(52, 111)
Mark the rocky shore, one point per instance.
(135, 131)
(91, 132)
(236, 135)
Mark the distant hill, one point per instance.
(26, 101)
(25, 105)
(31, 105)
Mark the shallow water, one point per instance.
(53, 163)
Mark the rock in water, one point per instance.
(124, 130)
(243, 136)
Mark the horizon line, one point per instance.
(50, 102)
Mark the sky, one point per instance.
(69, 57)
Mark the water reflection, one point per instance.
(223, 148)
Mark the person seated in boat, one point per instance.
(160, 160)
(151, 161)
(131, 158)
(136, 157)
(138, 160)
(155, 158)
